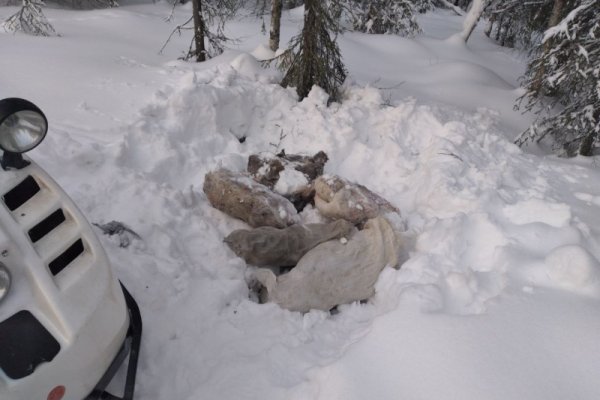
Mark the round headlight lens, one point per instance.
(4, 281)
(22, 125)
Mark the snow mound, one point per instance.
(537, 210)
(263, 52)
(470, 200)
(463, 72)
(290, 181)
(249, 66)
(572, 267)
(206, 114)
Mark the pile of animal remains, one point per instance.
(333, 263)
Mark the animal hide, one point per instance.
(269, 246)
(241, 197)
(337, 198)
(266, 170)
(275, 173)
(334, 273)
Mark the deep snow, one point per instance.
(498, 297)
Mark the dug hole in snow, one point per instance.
(498, 295)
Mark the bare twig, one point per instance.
(177, 30)
(278, 145)
(170, 17)
(452, 155)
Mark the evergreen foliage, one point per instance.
(86, 4)
(30, 20)
(385, 16)
(289, 4)
(422, 6)
(313, 57)
(521, 24)
(463, 4)
(260, 7)
(565, 75)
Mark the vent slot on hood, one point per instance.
(19, 195)
(67, 257)
(47, 225)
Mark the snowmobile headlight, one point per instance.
(22, 125)
(4, 281)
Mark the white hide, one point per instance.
(335, 272)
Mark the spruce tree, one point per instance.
(385, 16)
(464, 4)
(30, 20)
(422, 6)
(314, 57)
(86, 4)
(289, 4)
(521, 24)
(565, 76)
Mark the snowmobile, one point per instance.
(66, 323)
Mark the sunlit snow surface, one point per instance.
(499, 294)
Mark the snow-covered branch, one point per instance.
(30, 20)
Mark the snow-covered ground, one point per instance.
(499, 294)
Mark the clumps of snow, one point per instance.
(290, 181)
(538, 210)
(588, 198)
(572, 267)
(460, 258)
(204, 113)
(263, 52)
(248, 65)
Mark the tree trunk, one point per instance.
(309, 46)
(472, 17)
(199, 30)
(585, 148)
(505, 33)
(499, 27)
(557, 11)
(587, 145)
(555, 17)
(490, 26)
(275, 24)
